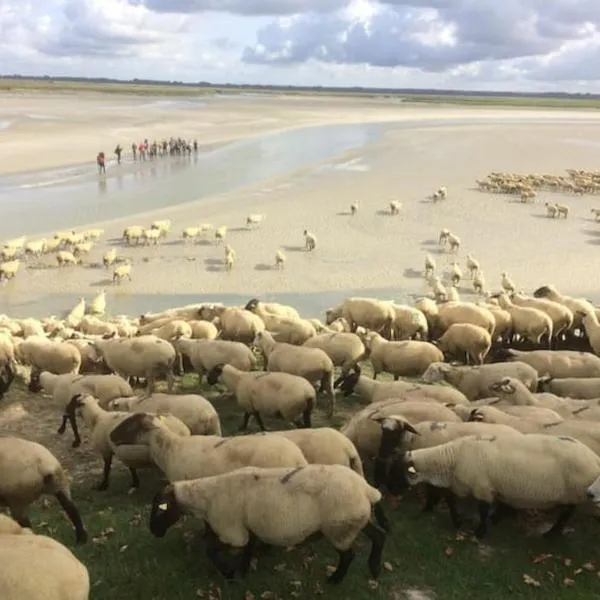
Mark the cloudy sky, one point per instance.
(521, 45)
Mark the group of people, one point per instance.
(145, 150)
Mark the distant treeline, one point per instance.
(294, 88)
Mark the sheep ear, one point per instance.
(163, 506)
(411, 470)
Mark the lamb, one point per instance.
(455, 273)
(289, 397)
(369, 313)
(16, 243)
(329, 499)
(37, 567)
(471, 339)
(109, 257)
(551, 210)
(64, 257)
(190, 233)
(203, 330)
(406, 358)
(35, 248)
(52, 245)
(325, 446)
(220, 233)
(429, 266)
(73, 318)
(8, 253)
(479, 282)
(98, 304)
(144, 356)
(121, 272)
(395, 207)
(93, 234)
(371, 390)
(254, 220)
(82, 248)
(198, 414)
(453, 242)
(528, 472)
(279, 259)
(204, 355)
(354, 208)
(344, 349)
(439, 291)
(29, 470)
(473, 266)
(9, 269)
(63, 387)
(192, 457)
(311, 363)
(529, 323)
(152, 236)
(46, 355)
(163, 226)
(229, 261)
(556, 363)
(562, 210)
(133, 233)
(507, 283)
(102, 423)
(476, 381)
(310, 240)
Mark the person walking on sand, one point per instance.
(100, 162)
(118, 151)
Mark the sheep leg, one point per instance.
(432, 497)
(246, 557)
(484, 513)
(558, 527)
(135, 480)
(212, 552)
(306, 423)
(259, 420)
(502, 512)
(346, 558)
(245, 421)
(377, 538)
(103, 485)
(454, 516)
(71, 511)
(380, 517)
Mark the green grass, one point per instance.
(174, 90)
(422, 555)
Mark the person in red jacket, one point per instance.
(100, 161)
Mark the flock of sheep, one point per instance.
(517, 430)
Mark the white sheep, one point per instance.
(46, 355)
(16, 243)
(354, 208)
(439, 291)
(507, 283)
(330, 499)
(9, 269)
(310, 240)
(527, 322)
(64, 257)
(254, 219)
(229, 260)
(133, 233)
(562, 210)
(289, 397)
(8, 253)
(479, 282)
(220, 233)
(596, 213)
(395, 207)
(279, 259)
(190, 233)
(345, 349)
(453, 242)
(163, 226)
(29, 470)
(82, 248)
(472, 340)
(93, 234)
(121, 272)
(77, 313)
(551, 210)
(473, 266)
(526, 472)
(429, 266)
(152, 235)
(35, 247)
(37, 566)
(455, 273)
(370, 313)
(98, 304)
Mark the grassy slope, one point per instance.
(31, 85)
(423, 554)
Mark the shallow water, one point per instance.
(35, 203)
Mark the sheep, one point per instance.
(596, 213)
(344, 349)
(453, 242)
(28, 470)
(279, 310)
(9, 269)
(479, 282)
(46, 355)
(35, 247)
(570, 387)
(93, 234)
(503, 322)
(8, 253)
(475, 381)
(171, 330)
(102, 423)
(82, 248)
(16, 243)
(466, 338)
(63, 387)
(310, 241)
(449, 314)
(507, 283)
(76, 314)
(551, 210)
(369, 313)
(529, 323)
(364, 431)
(229, 261)
(473, 266)
(591, 326)
(409, 322)
(205, 227)
(329, 499)
(254, 220)
(152, 236)
(190, 233)
(203, 330)
(191, 457)
(439, 291)
(205, 354)
(121, 272)
(133, 233)
(236, 324)
(36, 567)
(194, 410)
(52, 245)
(64, 258)
(144, 356)
(575, 305)
(429, 266)
(220, 233)
(562, 210)
(556, 363)
(163, 226)
(527, 472)
(455, 273)
(279, 259)
(98, 304)
(325, 446)
(371, 390)
(562, 317)
(109, 257)
(354, 208)
(406, 358)
(274, 394)
(311, 363)
(395, 207)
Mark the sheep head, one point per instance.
(348, 383)
(393, 431)
(131, 430)
(476, 416)
(252, 305)
(35, 385)
(165, 511)
(213, 375)
(504, 385)
(545, 291)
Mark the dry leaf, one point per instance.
(589, 566)
(373, 584)
(295, 583)
(529, 580)
(268, 595)
(199, 593)
(540, 558)
(460, 537)
(248, 596)
(567, 562)
(449, 551)
(330, 570)
(388, 567)
(279, 567)
(568, 582)
(318, 590)
(123, 548)
(578, 572)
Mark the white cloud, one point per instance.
(471, 44)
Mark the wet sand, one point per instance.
(371, 252)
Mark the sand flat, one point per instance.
(425, 148)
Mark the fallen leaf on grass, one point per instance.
(529, 580)
(123, 548)
(589, 566)
(540, 558)
(568, 582)
(280, 567)
(460, 537)
(248, 596)
(373, 584)
(567, 562)
(449, 551)
(388, 566)
(330, 570)
(268, 595)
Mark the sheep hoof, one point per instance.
(76, 444)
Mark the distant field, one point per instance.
(34, 85)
